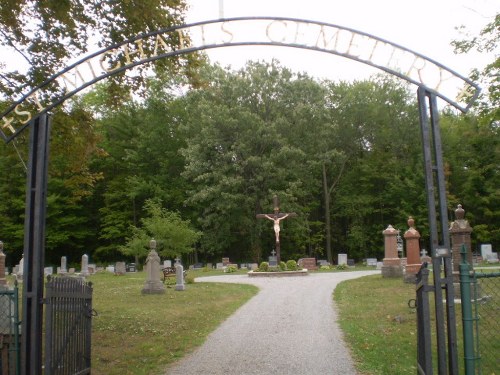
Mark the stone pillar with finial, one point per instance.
(412, 239)
(153, 284)
(460, 233)
(3, 280)
(391, 263)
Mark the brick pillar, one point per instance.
(412, 239)
(391, 263)
(460, 231)
(3, 280)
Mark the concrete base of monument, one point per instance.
(302, 272)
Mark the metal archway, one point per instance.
(31, 110)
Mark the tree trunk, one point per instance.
(328, 234)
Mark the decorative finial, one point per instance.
(411, 222)
(459, 213)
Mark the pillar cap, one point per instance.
(459, 213)
(390, 230)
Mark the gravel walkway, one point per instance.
(289, 327)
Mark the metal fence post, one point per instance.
(467, 319)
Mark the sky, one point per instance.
(424, 26)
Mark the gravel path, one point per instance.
(289, 327)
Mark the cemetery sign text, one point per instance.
(312, 35)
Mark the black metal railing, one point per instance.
(68, 326)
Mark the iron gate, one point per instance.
(9, 331)
(68, 326)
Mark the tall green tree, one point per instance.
(174, 236)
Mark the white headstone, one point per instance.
(110, 269)
(371, 262)
(153, 284)
(486, 250)
(220, 266)
(64, 266)
(85, 265)
(179, 277)
(342, 259)
(120, 268)
(48, 271)
(167, 263)
(379, 265)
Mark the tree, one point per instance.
(173, 235)
(48, 34)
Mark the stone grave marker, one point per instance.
(253, 266)
(486, 250)
(85, 265)
(371, 262)
(308, 263)
(153, 284)
(64, 266)
(225, 261)
(179, 276)
(167, 263)
(47, 271)
(120, 268)
(110, 268)
(342, 259)
(220, 266)
(273, 259)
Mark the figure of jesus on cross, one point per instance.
(276, 217)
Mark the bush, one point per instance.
(291, 265)
(342, 267)
(282, 266)
(264, 267)
(325, 268)
(189, 279)
(230, 269)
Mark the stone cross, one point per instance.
(423, 252)
(276, 217)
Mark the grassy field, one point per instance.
(141, 334)
(378, 325)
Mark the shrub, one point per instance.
(282, 266)
(230, 269)
(189, 279)
(291, 265)
(342, 267)
(264, 267)
(325, 268)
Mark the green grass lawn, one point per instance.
(378, 325)
(141, 334)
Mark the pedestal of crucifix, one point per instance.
(276, 217)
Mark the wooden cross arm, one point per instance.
(263, 216)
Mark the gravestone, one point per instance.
(71, 271)
(120, 268)
(342, 259)
(153, 284)
(351, 263)
(225, 261)
(308, 263)
(179, 276)
(323, 262)
(110, 269)
(47, 271)
(167, 263)
(371, 262)
(492, 258)
(273, 259)
(85, 265)
(486, 250)
(253, 266)
(64, 266)
(3, 280)
(220, 266)
(92, 268)
(210, 266)
(20, 270)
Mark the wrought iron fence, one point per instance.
(9, 331)
(68, 326)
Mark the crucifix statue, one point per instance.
(276, 217)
